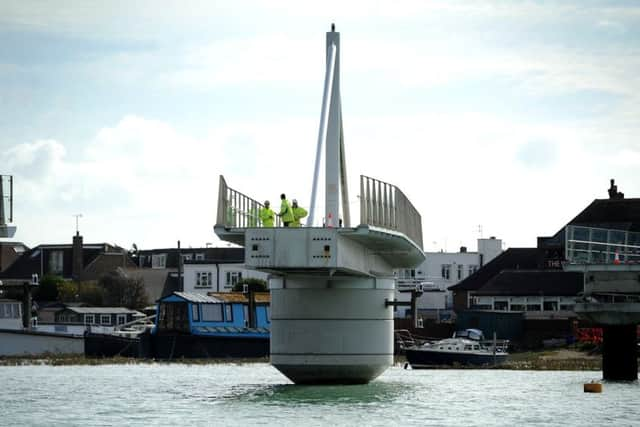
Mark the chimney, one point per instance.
(463, 249)
(613, 191)
(77, 258)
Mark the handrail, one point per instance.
(385, 205)
(237, 210)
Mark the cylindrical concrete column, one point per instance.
(331, 330)
(619, 353)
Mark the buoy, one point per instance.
(593, 388)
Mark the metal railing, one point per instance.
(384, 205)
(591, 245)
(237, 210)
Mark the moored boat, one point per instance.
(465, 348)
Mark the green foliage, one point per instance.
(48, 288)
(67, 291)
(91, 294)
(123, 291)
(255, 285)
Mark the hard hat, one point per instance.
(294, 201)
(266, 202)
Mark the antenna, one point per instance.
(77, 217)
(480, 230)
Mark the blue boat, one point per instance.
(216, 325)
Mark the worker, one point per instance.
(267, 216)
(285, 211)
(298, 213)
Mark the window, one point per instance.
(55, 262)
(517, 307)
(200, 257)
(566, 307)
(159, 261)
(203, 279)
(212, 312)
(501, 305)
(187, 257)
(550, 306)
(533, 307)
(472, 269)
(228, 312)
(195, 314)
(460, 267)
(89, 319)
(446, 271)
(105, 319)
(233, 277)
(121, 319)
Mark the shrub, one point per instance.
(255, 285)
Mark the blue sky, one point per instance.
(512, 115)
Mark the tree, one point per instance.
(91, 293)
(67, 291)
(123, 291)
(255, 285)
(48, 288)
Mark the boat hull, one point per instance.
(421, 358)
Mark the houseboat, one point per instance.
(216, 325)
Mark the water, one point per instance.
(257, 394)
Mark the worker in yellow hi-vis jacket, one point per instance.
(267, 216)
(285, 211)
(298, 213)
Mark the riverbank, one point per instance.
(564, 359)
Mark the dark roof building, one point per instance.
(533, 278)
(9, 252)
(76, 261)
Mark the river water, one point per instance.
(257, 394)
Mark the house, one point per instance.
(203, 270)
(76, 261)
(531, 281)
(439, 271)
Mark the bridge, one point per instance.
(331, 321)
(610, 262)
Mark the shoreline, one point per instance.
(563, 359)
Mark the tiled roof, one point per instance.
(534, 282)
(512, 258)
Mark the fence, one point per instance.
(384, 205)
(237, 210)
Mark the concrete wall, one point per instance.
(18, 343)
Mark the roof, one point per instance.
(533, 282)
(222, 297)
(512, 258)
(33, 261)
(211, 255)
(102, 310)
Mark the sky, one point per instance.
(497, 119)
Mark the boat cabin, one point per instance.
(217, 313)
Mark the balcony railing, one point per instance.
(237, 210)
(590, 245)
(384, 205)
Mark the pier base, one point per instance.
(619, 353)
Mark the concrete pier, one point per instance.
(619, 353)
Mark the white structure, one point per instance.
(203, 277)
(441, 270)
(331, 287)
(10, 314)
(7, 229)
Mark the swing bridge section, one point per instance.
(332, 287)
